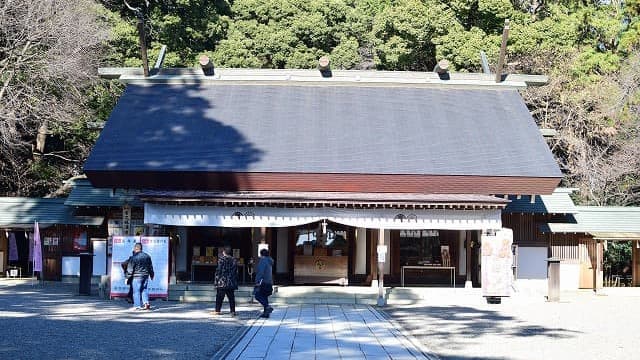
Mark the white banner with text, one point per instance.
(157, 247)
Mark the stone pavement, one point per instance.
(51, 321)
(460, 326)
(325, 332)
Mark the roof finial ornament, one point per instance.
(324, 66)
(141, 35)
(503, 50)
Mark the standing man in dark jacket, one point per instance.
(226, 280)
(264, 282)
(140, 269)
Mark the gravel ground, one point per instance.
(581, 326)
(51, 322)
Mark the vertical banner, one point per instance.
(157, 247)
(37, 249)
(122, 249)
(497, 258)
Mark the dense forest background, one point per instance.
(50, 51)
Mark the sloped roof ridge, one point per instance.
(314, 77)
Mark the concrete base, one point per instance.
(104, 288)
(468, 284)
(172, 280)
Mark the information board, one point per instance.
(497, 258)
(157, 247)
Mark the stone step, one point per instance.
(322, 294)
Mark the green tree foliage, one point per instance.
(617, 258)
(588, 48)
(186, 27)
(287, 34)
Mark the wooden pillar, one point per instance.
(596, 265)
(258, 236)
(372, 236)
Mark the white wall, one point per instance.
(361, 251)
(100, 257)
(71, 265)
(532, 263)
(282, 245)
(569, 276)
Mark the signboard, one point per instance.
(80, 240)
(157, 247)
(497, 258)
(382, 253)
(126, 219)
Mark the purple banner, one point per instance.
(37, 249)
(30, 237)
(13, 247)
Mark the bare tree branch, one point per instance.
(49, 52)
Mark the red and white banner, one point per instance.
(157, 247)
(497, 258)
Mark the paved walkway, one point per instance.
(325, 332)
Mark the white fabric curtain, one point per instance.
(195, 215)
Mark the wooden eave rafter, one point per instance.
(333, 204)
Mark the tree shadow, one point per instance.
(172, 137)
(459, 327)
(52, 322)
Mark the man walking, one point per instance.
(264, 282)
(140, 269)
(226, 280)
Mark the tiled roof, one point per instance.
(557, 203)
(601, 221)
(84, 194)
(322, 129)
(23, 212)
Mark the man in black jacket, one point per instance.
(140, 268)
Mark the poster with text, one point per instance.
(157, 247)
(80, 241)
(497, 259)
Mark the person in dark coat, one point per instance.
(128, 280)
(264, 282)
(140, 269)
(226, 281)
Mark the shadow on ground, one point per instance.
(53, 322)
(462, 328)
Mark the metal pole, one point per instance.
(381, 300)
